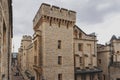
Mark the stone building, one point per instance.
(104, 55)
(60, 50)
(85, 53)
(110, 63)
(5, 38)
(25, 57)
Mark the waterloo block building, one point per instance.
(5, 39)
(59, 50)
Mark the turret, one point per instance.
(26, 40)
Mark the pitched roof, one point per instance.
(92, 34)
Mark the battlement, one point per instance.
(27, 38)
(54, 12)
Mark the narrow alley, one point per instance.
(16, 74)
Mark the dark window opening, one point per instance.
(59, 76)
(80, 47)
(59, 44)
(99, 61)
(59, 60)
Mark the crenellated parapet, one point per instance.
(27, 38)
(54, 14)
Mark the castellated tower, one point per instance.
(26, 41)
(53, 43)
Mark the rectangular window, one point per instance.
(59, 44)
(99, 61)
(59, 60)
(80, 59)
(80, 47)
(59, 76)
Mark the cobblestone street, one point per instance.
(16, 74)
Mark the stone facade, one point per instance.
(104, 62)
(85, 52)
(25, 57)
(53, 54)
(110, 63)
(5, 39)
(56, 36)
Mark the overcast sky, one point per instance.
(99, 16)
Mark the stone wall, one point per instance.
(55, 46)
(104, 61)
(56, 25)
(6, 38)
(54, 13)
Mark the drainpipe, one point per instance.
(9, 52)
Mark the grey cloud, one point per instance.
(91, 15)
(87, 10)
